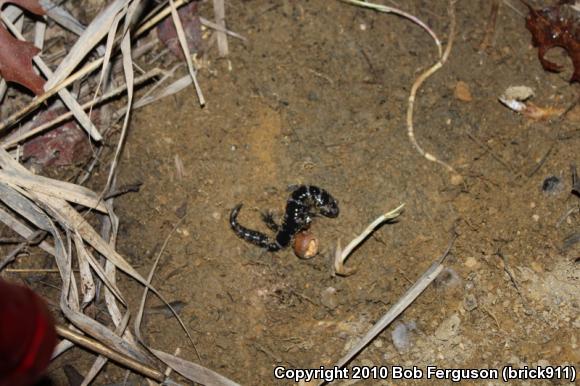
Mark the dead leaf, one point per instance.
(29, 5)
(16, 56)
(16, 62)
(555, 27)
(539, 113)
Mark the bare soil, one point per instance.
(318, 96)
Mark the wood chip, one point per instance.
(462, 92)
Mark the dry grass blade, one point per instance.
(92, 35)
(219, 10)
(18, 137)
(405, 301)
(108, 52)
(69, 302)
(173, 88)
(68, 217)
(186, 52)
(212, 25)
(65, 190)
(23, 230)
(396, 11)
(110, 227)
(3, 89)
(129, 81)
(190, 370)
(62, 17)
(110, 284)
(64, 94)
(36, 102)
(39, 31)
(38, 235)
(157, 15)
(88, 288)
(23, 206)
(102, 359)
(98, 347)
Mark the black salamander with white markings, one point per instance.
(304, 204)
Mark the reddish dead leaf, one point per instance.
(538, 113)
(66, 145)
(189, 17)
(555, 27)
(29, 5)
(16, 62)
(16, 56)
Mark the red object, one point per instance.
(27, 335)
(65, 145)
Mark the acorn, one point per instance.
(305, 245)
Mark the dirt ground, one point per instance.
(318, 96)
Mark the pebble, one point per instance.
(470, 262)
(400, 336)
(543, 363)
(329, 298)
(367, 363)
(552, 185)
(313, 96)
(462, 92)
(470, 302)
(448, 328)
(448, 278)
(536, 267)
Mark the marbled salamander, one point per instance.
(304, 203)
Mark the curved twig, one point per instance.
(419, 81)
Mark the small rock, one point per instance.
(400, 336)
(456, 179)
(462, 92)
(448, 328)
(518, 93)
(313, 96)
(543, 363)
(329, 298)
(470, 262)
(181, 210)
(537, 267)
(552, 185)
(447, 278)
(470, 302)
(367, 363)
(515, 361)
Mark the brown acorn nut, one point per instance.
(305, 245)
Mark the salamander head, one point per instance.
(330, 210)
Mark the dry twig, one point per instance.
(405, 301)
(341, 255)
(418, 82)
